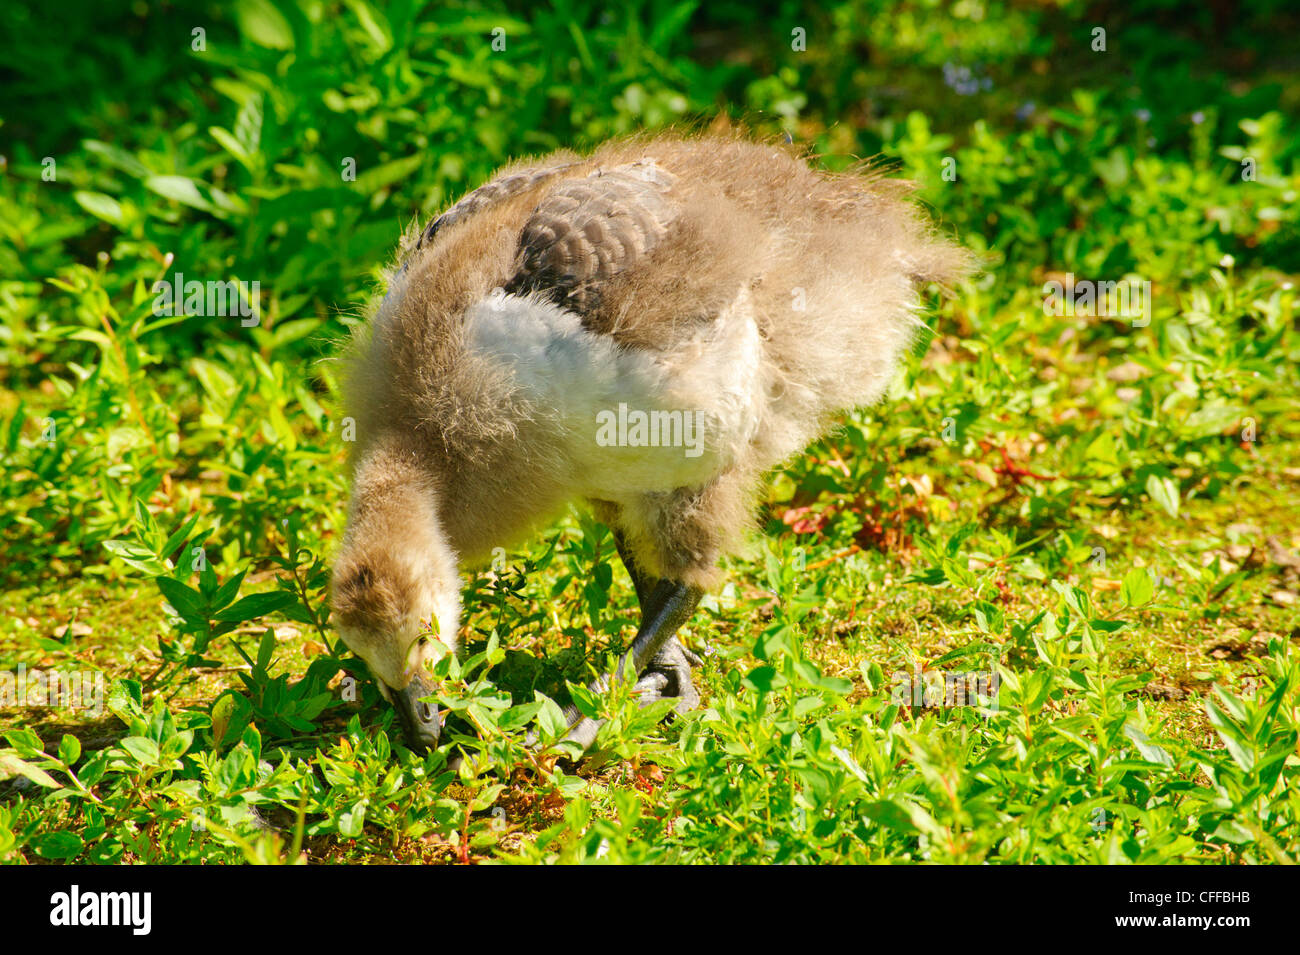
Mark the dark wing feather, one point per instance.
(590, 230)
(489, 194)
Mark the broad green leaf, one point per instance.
(101, 207)
(63, 846)
(1164, 491)
(257, 605)
(518, 716)
(1233, 738)
(373, 179)
(26, 742)
(353, 819)
(11, 765)
(179, 188)
(142, 749)
(186, 601)
(1138, 587)
(261, 22)
(550, 719)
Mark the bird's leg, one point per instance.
(669, 673)
(643, 583)
(670, 605)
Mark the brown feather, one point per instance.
(588, 231)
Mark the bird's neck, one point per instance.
(395, 575)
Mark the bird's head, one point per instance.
(395, 590)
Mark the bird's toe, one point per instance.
(670, 673)
(652, 685)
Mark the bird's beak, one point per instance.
(420, 721)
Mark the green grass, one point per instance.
(1103, 514)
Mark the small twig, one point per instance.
(833, 558)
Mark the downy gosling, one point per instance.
(649, 329)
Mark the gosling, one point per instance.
(648, 328)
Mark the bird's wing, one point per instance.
(489, 194)
(588, 231)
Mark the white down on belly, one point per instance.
(633, 420)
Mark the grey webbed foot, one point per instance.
(665, 609)
(669, 677)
